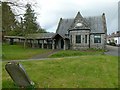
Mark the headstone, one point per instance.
(18, 74)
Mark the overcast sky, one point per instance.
(50, 11)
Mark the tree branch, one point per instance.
(13, 4)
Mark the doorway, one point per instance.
(62, 43)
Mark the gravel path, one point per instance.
(45, 55)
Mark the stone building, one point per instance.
(82, 32)
(76, 33)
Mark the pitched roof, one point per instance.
(41, 35)
(64, 25)
(95, 23)
(34, 36)
(81, 20)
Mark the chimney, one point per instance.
(60, 19)
(103, 14)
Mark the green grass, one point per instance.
(67, 53)
(100, 71)
(15, 52)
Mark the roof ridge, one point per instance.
(92, 16)
(66, 18)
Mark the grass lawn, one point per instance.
(67, 53)
(100, 71)
(14, 52)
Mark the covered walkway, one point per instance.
(42, 40)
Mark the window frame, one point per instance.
(86, 36)
(78, 39)
(97, 38)
(71, 39)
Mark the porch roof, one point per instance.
(62, 36)
(41, 36)
(34, 36)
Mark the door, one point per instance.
(62, 44)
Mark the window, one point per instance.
(66, 34)
(97, 38)
(78, 38)
(85, 38)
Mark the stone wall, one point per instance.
(90, 40)
(81, 45)
(97, 45)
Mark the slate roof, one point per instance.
(34, 36)
(95, 23)
(63, 27)
(42, 35)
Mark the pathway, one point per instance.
(112, 50)
(45, 55)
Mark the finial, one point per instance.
(103, 14)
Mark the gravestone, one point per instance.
(18, 74)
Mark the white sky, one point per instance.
(50, 11)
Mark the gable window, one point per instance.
(97, 38)
(78, 38)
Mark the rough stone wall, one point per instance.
(67, 43)
(82, 45)
(105, 30)
(97, 45)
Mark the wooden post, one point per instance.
(30, 43)
(43, 44)
(38, 44)
(18, 40)
(11, 41)
(33, 43)
(47, 44)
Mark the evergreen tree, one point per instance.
(8, 19)
(30, 25)
(17, 30)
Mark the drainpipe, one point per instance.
(89, 40)
(64, 44)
